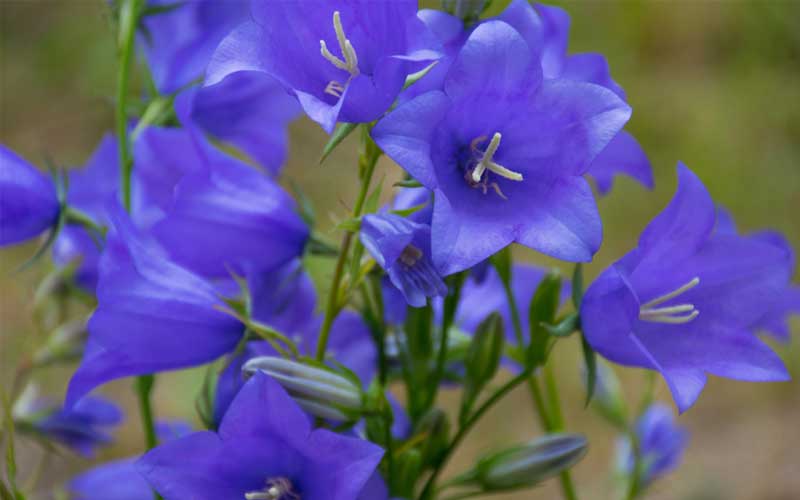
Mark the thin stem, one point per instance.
(369, 159)
(430, 485)
(538, 402)
(144, 387)
(128, 19)
(450, 304)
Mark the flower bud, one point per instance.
(435, 427)
(531, 463)
(607, 399)
(321, 392)
(483, 357)
(66, 343)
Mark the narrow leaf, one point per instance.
(577, 286)
(340, 134)
(590, 360)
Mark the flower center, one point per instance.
(674, 315)
(478, 176)
(410, 255)
(279, 488)
(350, 62)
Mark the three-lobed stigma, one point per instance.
(673, 315)
(478, 176)
(350, 61)
(279, 488)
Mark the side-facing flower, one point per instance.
(403, 249)
(230, 217)
(504, 152)
(83, 427)
(775, 321)
(685, 300)
(661, 443)
(152, 315)
(348, 63)
(28, 201)
(265, 449)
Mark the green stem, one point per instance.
(368, 159)
(430, 485)
(128, 19)
(450, 305)
(144, 387)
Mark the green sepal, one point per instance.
(590, 363)
(415, 77)
(343, 130)
(565, 327)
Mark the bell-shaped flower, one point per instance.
(231, 217)
(546, 30)
(403, 249)
(265, 448)
(505, 152)
(775, 321)
(685, 300)
(28, 201)
(83, 427)
(152, 315)
(661, 443)
(348, 63)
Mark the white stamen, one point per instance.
(486, 162)
(350, 62)
(672, 315)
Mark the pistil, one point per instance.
(350, 62)
(487, 161)
(276, 489)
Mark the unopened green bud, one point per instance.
(320, 391)
(607, 399)
(434, 430)
(483, 357)
(66, 343)
(529, 464)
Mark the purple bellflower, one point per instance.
(265, 449)
(28, 201)
(152, 314)
(348, 63)
(403, 248)
(119, 479)
(661, 442)
(546, 31)
(504, 151)
(230, 217)
(82, 428)
(685, 300)
(774, 321)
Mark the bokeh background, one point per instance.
(713, 83)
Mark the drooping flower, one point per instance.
(265, 448)
(504, 152)
(403, 249)
(28, 201)
(348, 62)
(83, 427)
(546, 31)
(152, 315)
(685, 300)
(661, 444)
(119, 479)
(230, 217)
(774, 321)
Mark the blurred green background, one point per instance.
(715, 84)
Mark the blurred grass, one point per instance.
(715, 84)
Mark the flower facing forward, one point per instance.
(403, 248)
(265, 449)
(504, 152)
(348, 62)
(28, 201)
(684, 302)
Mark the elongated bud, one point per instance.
(482, 360)
(529, 464)
(66, 343)
(321, 392)
(608, 400)
(434, 432)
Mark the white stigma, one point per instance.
(487, 161)
(350, 62)
(276, 489)
(673, 315)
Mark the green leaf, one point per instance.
(340, 134)
(410, 210)
(565, 327)
(351, 225)
(407, 183)
(590, 361)
(502, 263)
(577, 286)
(542, 311)
(373, 200)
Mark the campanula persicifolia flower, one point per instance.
(348, 63)
(661, 443)
(265, 449)
(504, 152)
(28, 201)
(152, 314)
(83, 427)
(685, 300)
(403, 249)
(546, 30)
